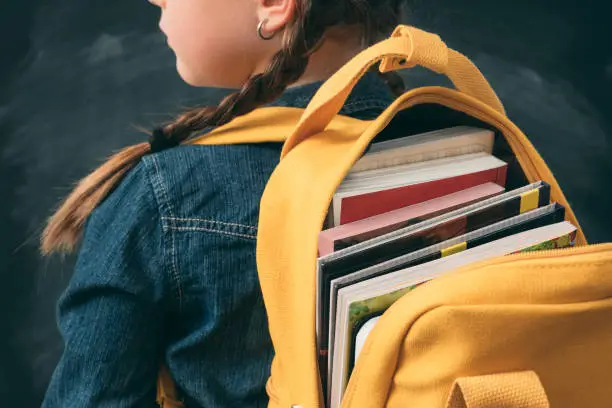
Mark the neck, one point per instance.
(339, 46)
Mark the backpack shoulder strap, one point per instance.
(407, 47)
(262, 125)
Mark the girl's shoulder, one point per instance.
(222, 182)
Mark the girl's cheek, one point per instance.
(214, 45)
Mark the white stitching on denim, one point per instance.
(229, 224)
(365, 101)
(214, 230)
(175, 271)
(364, 104)
(162, 185)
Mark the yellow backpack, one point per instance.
(527, 330)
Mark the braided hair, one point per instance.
(302, 35)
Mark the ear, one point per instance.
(279, 13)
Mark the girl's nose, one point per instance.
(158, 3)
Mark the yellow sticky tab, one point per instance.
(530, 200)
(454, 249)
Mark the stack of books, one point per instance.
(411, 210)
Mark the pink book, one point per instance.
(346, 235)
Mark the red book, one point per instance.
(370, 193)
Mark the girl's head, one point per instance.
(259, 47)
(217, 42)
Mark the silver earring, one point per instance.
(260, 28)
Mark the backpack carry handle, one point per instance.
(509, 390)
(406, 48)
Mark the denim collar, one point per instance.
(370, 94)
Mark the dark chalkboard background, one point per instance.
(76, 76)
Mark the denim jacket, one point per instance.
(166, 273)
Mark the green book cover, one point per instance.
(368, 307)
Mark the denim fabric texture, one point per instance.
(166, 273)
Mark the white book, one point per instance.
(399, 280)
(438, 144)
(362, 336)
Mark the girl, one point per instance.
(166, 271)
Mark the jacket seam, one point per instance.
(158, 184)
(362, 104)
(233, 234)
(206, 221)
(354, 105)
